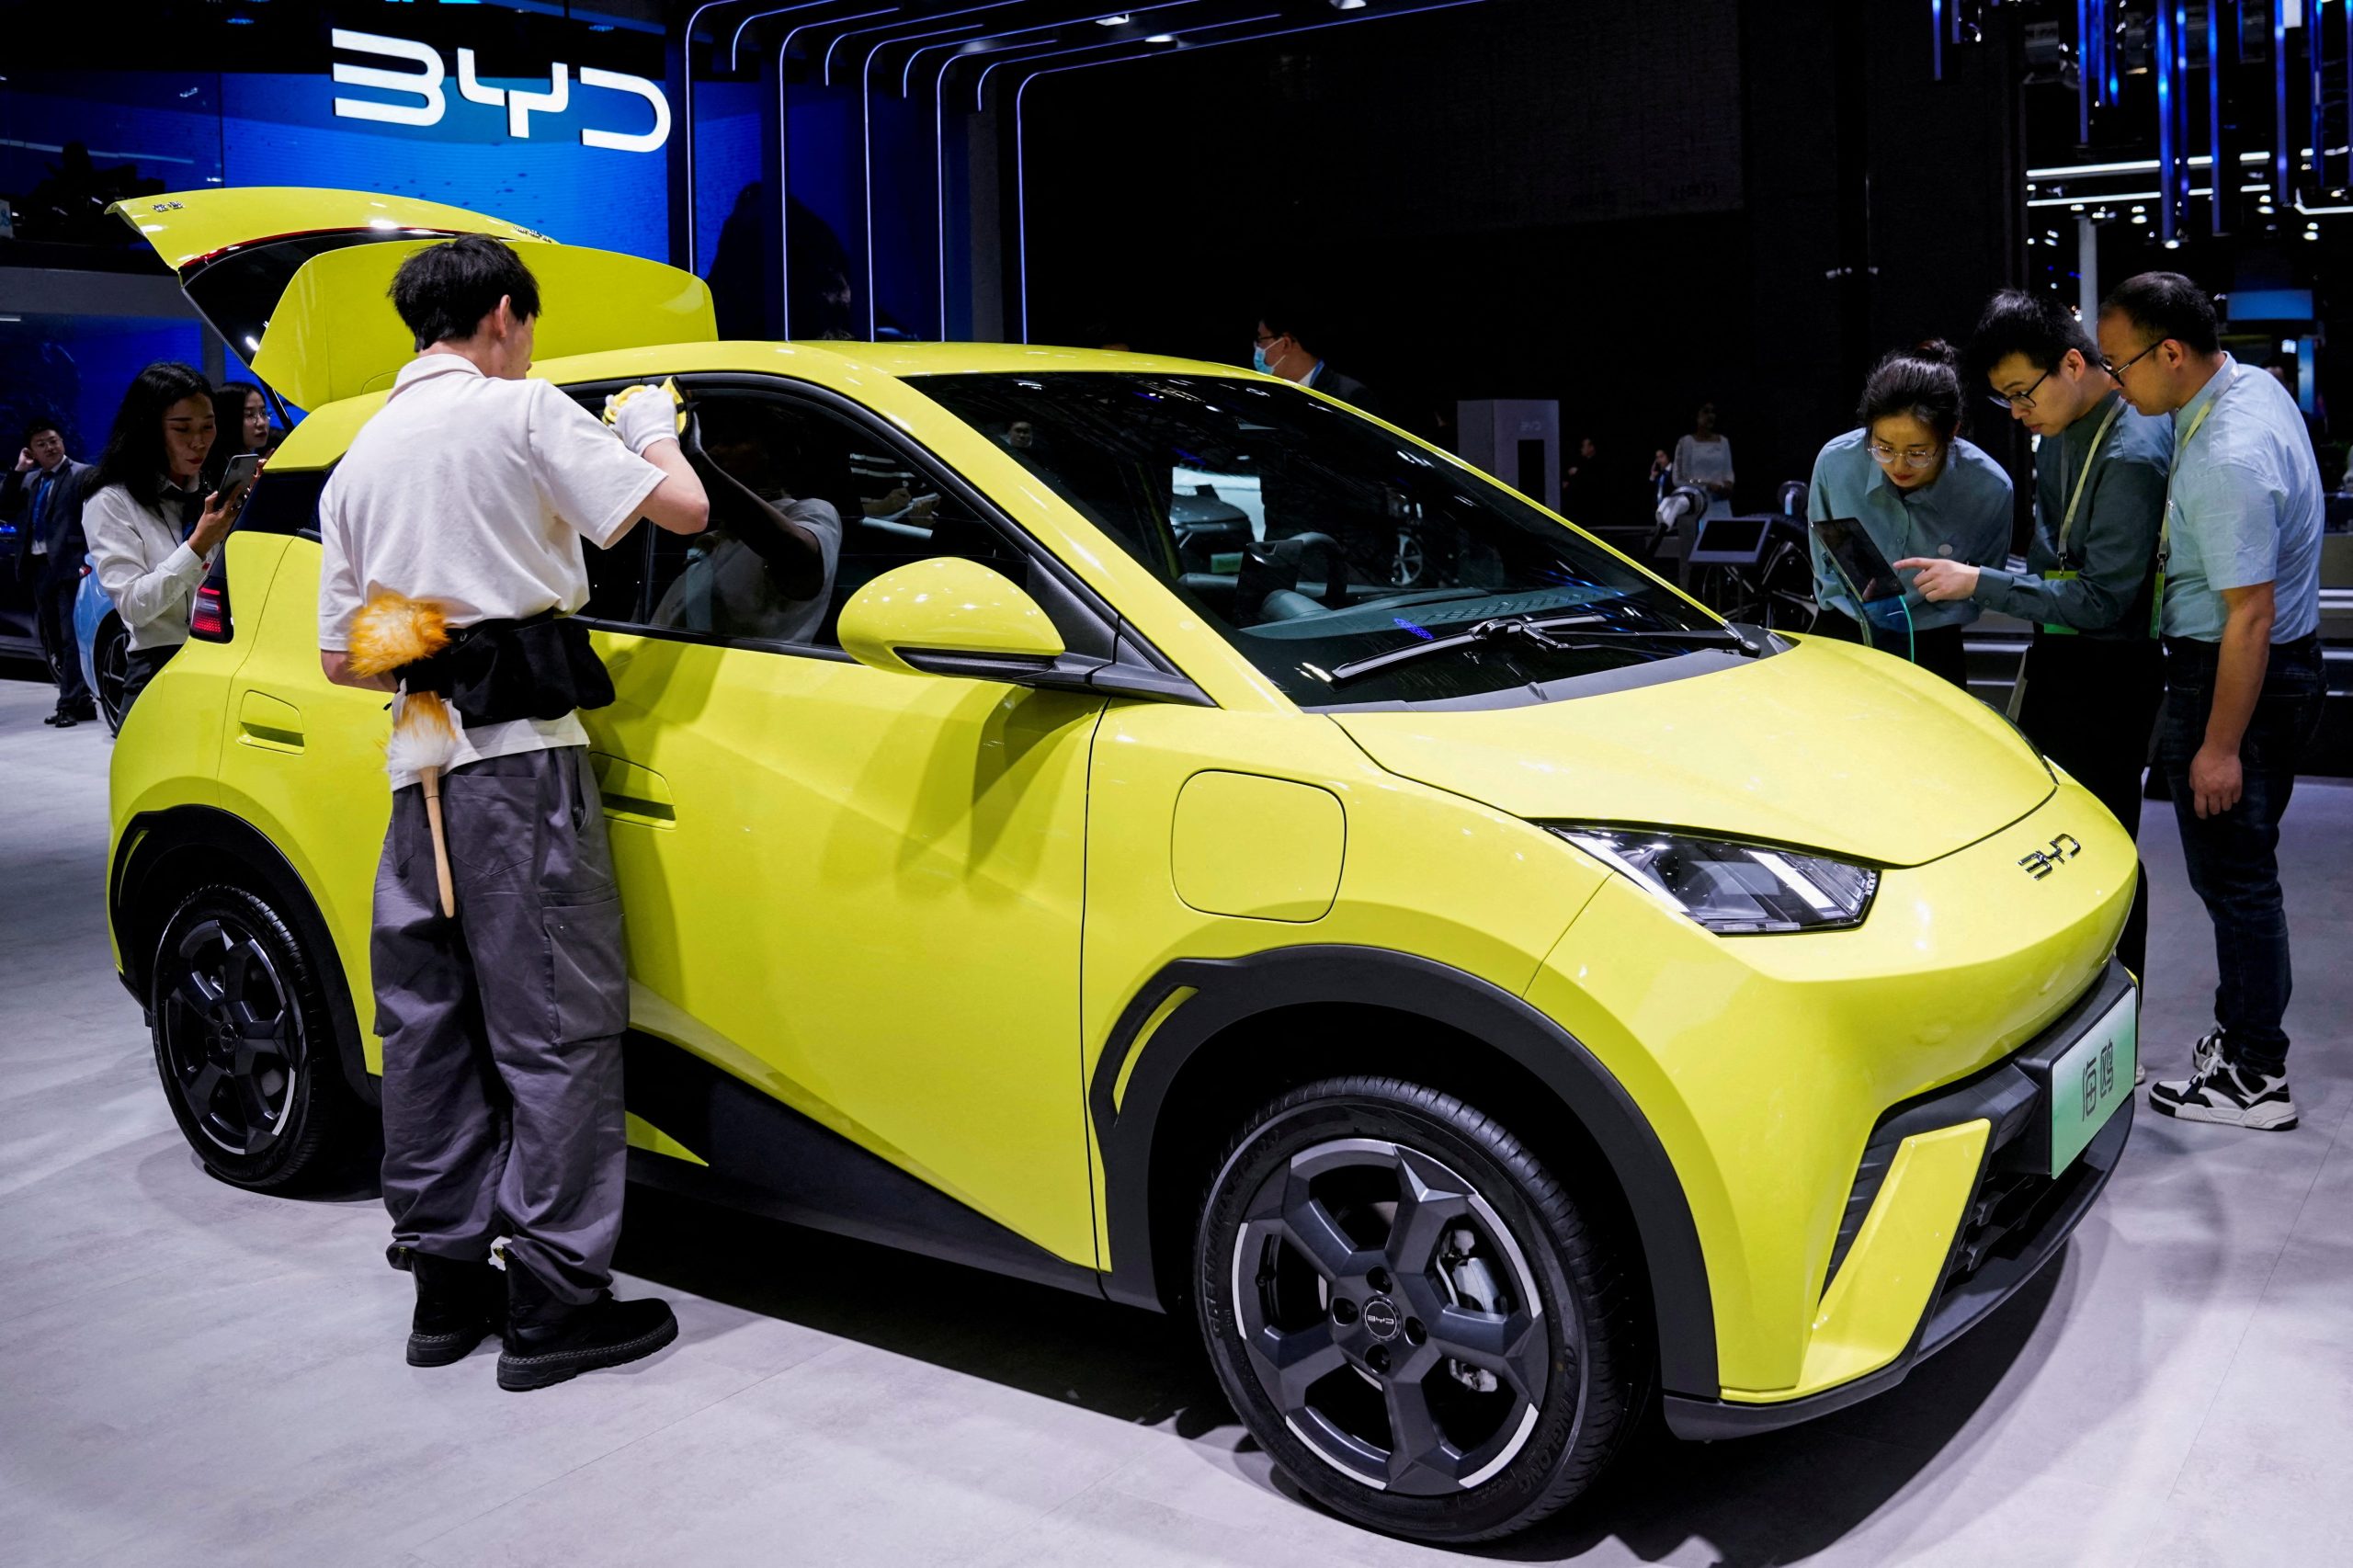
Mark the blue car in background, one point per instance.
(105, 644)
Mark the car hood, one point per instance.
(1823, 746)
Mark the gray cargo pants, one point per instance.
(502, 1027)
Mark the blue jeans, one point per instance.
(2233, 857)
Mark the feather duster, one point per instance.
(390, 633)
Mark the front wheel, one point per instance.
(1411, 1314)
(245, 1042)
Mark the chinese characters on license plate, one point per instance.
(2091, 1080)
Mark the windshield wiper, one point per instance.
(1536, 629)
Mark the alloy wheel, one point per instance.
(1390, 1318)
(232, 1035)
(111, 662)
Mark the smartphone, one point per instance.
(238, 479)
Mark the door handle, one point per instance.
(269, 723)
(631, 793)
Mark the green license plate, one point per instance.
(2092, 1080)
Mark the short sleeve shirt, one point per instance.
(2245, 507)
(476, 493)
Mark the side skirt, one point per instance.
(766, 1158)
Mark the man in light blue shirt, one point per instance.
(2240, 563)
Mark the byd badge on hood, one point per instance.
(2040, 863)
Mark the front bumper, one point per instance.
(2015, 1218)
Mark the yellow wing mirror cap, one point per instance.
(948, 606)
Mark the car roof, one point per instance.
(902, 360)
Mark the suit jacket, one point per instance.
(61, 523)
(1348, 390)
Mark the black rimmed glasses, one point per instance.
(2023, 403)
(2113, 368)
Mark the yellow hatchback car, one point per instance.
(1202, 847)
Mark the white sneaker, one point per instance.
(2202, 1056)
(2226, 1093)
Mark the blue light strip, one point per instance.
(2168, 175)
(2214, 108)
(1937, 29)
(2348, 91)
(2281, 152)
(1020, 204)
(2083, 71)
(2312, 55)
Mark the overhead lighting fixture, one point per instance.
(1122, 20)
(1347, 4)
(1162, 38)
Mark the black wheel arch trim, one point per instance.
(148, 843)
(1231, 991)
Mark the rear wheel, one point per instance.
(245, 1043)
(110, 662)
(1411, 1314)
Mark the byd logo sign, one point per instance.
(423, 77)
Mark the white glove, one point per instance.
(641, 415)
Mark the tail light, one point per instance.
(208, 620)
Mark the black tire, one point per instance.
(1323, 1361)
(110, 662)
(244, 1038)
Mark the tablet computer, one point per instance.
(1868, 573)
(1729, 541)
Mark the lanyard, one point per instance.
(2164, 527)
(2067, 523)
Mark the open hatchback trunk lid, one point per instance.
(295, 279)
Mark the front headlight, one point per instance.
(1734, 890)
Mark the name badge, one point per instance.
(2052, 627)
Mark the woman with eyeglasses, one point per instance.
(1919, 491)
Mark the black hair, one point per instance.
(134, 457)
(34, 426)
(443, 292)
(1281, 321)
(1922, 382)
(229, 412)
(2169, 305)
(2035, 325)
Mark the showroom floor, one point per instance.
(191, 1373)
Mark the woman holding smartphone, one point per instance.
(1919, 491)
(153, 529)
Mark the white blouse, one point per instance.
(149, 572)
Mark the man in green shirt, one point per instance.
(2094, 675)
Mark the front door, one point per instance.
(859, 891)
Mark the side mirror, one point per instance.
(948, 615)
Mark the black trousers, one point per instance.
(2091, 704)
(1936, 650)
(2233, 856)
(141, 665)
(54, 624)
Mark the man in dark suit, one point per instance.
(1281, 349)
(42, 496)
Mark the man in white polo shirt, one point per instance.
(473, 488)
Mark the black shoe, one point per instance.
(61, 720)
(457, 1306)
(548, 1341)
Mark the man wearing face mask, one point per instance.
(2094, 675)
(1281, 349)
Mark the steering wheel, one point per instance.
(1271, 570)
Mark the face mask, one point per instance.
(1258, 361)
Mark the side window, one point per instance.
(807, 509)
(284, 502)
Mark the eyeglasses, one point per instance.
(2113, 368)
(1913, 457)
(1268, 339)
(2023, 401)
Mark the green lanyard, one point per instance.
(2067, 523)
(2165, 526)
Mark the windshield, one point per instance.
(1316, 540)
